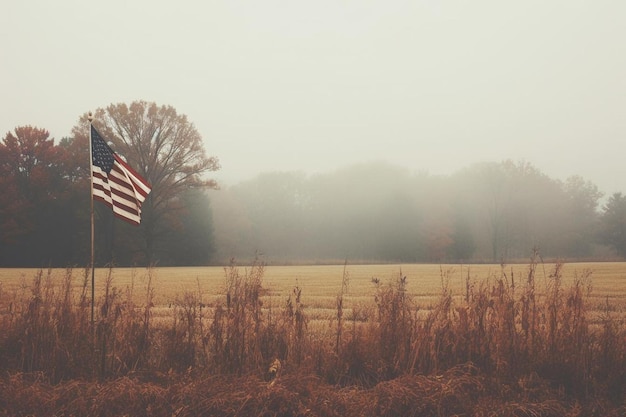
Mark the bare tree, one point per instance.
(165, 148)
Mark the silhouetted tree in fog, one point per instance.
(380, 212)
(580, 216)
(613, 224)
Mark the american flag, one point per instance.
(115, 183)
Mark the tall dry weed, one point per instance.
(237, 326)
(395, 326)
(48, 331)
(434, 346)
(295, 324)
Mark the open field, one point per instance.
(479, 340)
(320, 284)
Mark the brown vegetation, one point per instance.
(506, 348)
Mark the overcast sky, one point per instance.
(282, 85)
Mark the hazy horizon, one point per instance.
(318, 86)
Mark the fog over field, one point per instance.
(317, 86)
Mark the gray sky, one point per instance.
(321, 84)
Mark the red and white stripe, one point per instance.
(123, 190)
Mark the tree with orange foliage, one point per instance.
(35, 190)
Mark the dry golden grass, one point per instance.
(449, 340)
(320, 284)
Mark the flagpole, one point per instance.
(93, 272)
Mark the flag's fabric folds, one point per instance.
(115, 183)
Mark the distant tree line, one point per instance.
(373, 212)
(376, 212)
(45, 193)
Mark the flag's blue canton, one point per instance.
(102, 154)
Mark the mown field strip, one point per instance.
(320, 284)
